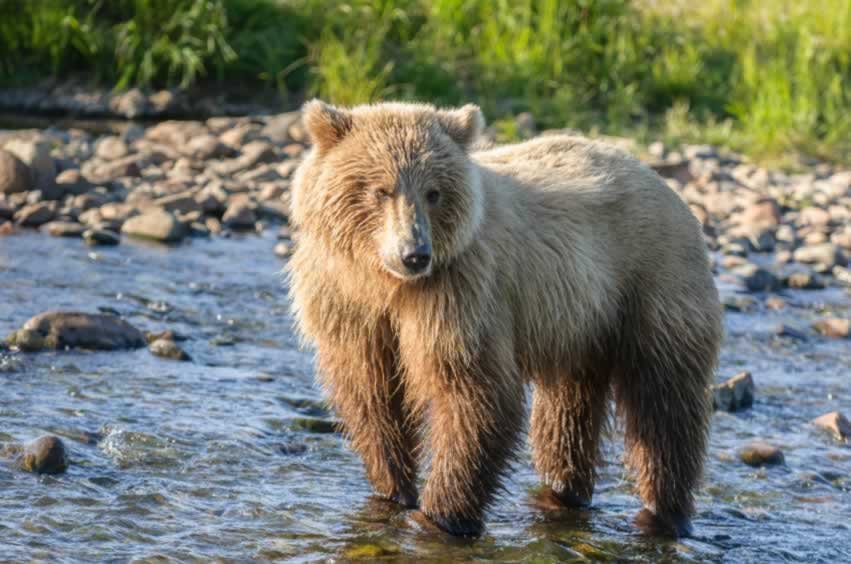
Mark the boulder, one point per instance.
(15, 176)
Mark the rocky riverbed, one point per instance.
(200, 433)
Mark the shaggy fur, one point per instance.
(559, 262)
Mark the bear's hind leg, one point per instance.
(569, 413)
(663, 399)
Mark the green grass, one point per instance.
(766, 77)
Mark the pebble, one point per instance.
(761, 454)
(64, 329)
(45, 455)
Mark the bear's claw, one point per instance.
(651, 524)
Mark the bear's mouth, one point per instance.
(404, 274)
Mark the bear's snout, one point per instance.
(417, 259)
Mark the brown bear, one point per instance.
(436, 281)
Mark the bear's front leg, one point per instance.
(476, 418)
(363, 384)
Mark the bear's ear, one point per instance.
(325, 124)
(463, 125)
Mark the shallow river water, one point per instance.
(221, 458)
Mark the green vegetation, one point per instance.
(768, 77)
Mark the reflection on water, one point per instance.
(213, 459)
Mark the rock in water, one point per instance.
(836, 423)
(156, 225)
(167, 348)
(45, 455)
(761, 454)
(734, 394)
(61, 329)
(835, 327)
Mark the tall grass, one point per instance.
(768, 77)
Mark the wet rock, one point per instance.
(283, 250)
(835, 327)
(72, 181)
(63, 329)
(111, 148)
(182, 202)
(804, 280)
(36, 155)
(775, 303)
(6, 228)
(45, 455)
(784, 330)
(6, 210)
(15, 176)
(761, 454)
(101, 237)
(836, 423)
(826, 254)
(313, 425)
(35, 215)
(167, 348)
(240, 214)
(757, 279)
(734, 394)
(64, 229)
(155, 225)
(738, 303)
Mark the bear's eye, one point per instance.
(432, 196)
(381, 194)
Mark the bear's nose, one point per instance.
(417, 260)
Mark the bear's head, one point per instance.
(391, 184)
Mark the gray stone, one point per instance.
(64, 329)
(240, 215)
(734, 394)
(156, 225)
(64, 229)
(72, 181)
(15, 175)
(101, 237)
(36, 155)
(111, 148)
(827, 255)
(35, 215)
